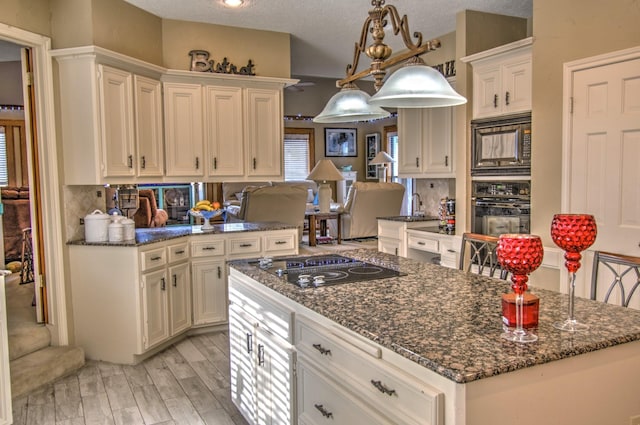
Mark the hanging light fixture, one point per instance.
(348, 105)
(416, 85)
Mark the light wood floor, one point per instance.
(186, 384)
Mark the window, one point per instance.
(298, 153)
(4, 175)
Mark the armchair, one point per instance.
(281, 203)
(366, 202)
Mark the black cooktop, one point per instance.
(325, 270)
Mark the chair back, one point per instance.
(620, 274)
(366, 202)
(478, 255)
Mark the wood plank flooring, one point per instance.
(188, 383)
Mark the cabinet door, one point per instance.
(487, 91)
(410, 139)
(116, 122)
(180, 299)
(6, 415)
(438, 147)
(183, 130)
(389, 246)
(209, 291)
(516, 85)
(242, 365)
(223, 119)
(148, 126)
(155, 308)
(263, 126)
(274, 379)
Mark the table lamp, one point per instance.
(382, 158)
(324, 171)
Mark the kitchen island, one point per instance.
(438, 329)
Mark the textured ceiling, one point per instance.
(324, 32)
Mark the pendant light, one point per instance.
(348, 105)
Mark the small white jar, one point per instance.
(129, 229)
(116, 231)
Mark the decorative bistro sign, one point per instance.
(448, 69)
(200, 62)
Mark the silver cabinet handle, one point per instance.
(260, 355)
(209, 248)
(245, 245)
(281, 242)
(155, 258)
(382, 388)
(249, 342)
(180, 252)
(324, 411)
(322, 350)
(163, 284)
(175, 281)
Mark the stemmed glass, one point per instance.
(519, 254)
(573, 233)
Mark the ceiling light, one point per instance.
(233, 3)
(416, 85)
(350, 104)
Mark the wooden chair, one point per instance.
(620, 271)
(482, 258)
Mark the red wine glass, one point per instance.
(519, 254)
(573, 233)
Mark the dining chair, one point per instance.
(619, 271)
(478, 255)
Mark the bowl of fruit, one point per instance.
(206, 210)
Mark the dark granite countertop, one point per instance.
(410, 218)
(449, 321)
(432, 229)
(159, 234)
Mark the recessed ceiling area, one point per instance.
(324, 32)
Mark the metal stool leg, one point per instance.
(26, 274)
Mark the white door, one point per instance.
(603, 152)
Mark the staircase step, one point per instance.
(25, 338)
(42, 367)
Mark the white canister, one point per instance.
(116, 231)
(129, 229)
(96, 227)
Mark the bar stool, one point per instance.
(481, 253)
(621, 274)
(26, 274)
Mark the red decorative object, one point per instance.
(520, 254)
(530, 310)
(573, 233)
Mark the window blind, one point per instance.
(296, 157)
(4, 174)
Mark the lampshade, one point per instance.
(416, 85)
(325, 170)
(348, 105)
(381, 158)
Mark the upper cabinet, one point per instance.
(425, 142)
(111, 117)
(502, 79)
(214, 126)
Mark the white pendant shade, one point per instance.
(381, 158)
(416, 86)
(350, 104)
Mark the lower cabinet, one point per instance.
(209, 291)
(392, 234)
(340, 377)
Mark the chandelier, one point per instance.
(414, 85)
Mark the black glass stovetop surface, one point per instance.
(325, 270)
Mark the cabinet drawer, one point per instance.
(358, 365)
(153, 258)
(320, 401)
(275, 243)
(424, 244)
(207, 248)
(244, 247)
(178, 252)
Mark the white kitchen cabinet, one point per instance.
(425, 142)
(261, 357)
(392, 234)
(148, 127)
(502, 79)
(343, 186)
(224, 129)
(264, 132)
(179, 284)
(427, 246)
(155, 308)
(184, 138)
(209, 291)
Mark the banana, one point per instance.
(203, 202)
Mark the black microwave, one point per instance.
(501, 146)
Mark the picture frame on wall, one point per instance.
(340, 142)
(372, 141)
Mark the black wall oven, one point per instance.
(499, 207)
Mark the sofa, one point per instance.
(366, 202)
(17, 217)
(232, 192)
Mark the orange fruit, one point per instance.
(215, 205)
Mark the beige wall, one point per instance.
(30, 15)
(269, 51)
(11, 83)
(71, 23)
